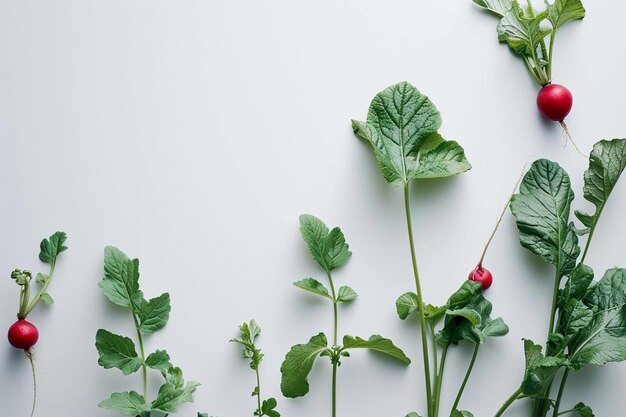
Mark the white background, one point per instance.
(191, 134)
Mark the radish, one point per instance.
(481, 274)
(530, 33)
(23, 334)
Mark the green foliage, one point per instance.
(525, 30)
(314, 286)
(52, 247)
(402, 128)
(121, 286)
(297, 365)
(328, 248)
(542, 210)
(376, 343)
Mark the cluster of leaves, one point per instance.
(330, 250)
(526, 29)
(248, 333)
(50, 249)
(588, 323)
(121, 286)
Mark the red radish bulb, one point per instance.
(23, 334)
(555, 102)
(482, 276)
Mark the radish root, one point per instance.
(30, 355)
(569, 137)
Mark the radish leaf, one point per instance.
(121, 277)
(498, 7)
(297, 365)
(154, 314)
(328, 248)
(539, 371)
(117, 352)
(563, 11)
(346, 294)
(313, 286)
(376, 343)
(159, 360)
(126, 403)
(52, 247)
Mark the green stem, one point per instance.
(467, 375)
(439, 381)
(549, 70)
(508, 402)
(532, 70)
(258, 391)
(332, 290)
(557, 284)
(557, 405)
(591, 231)
(334, 388)
(418, 287)
(434, 347)
(143, 357)
(24, 297)
(43, 289)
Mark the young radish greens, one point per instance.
(587, 324)
(402, 129)
(23, 334)
(248, 333)
(121, 286)
(330, 250)
(531, 33)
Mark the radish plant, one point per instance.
(402, 127)
(121, 286)
(531, 34)
(23, 334)
(330, 250)
(247, 336)
(587, 324)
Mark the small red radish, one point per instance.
(555, 102)
(481, 274)
(23, 335)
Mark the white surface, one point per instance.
(192, 134)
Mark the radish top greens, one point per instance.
(526, 29)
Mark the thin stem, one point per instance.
(549, 70)
(439, 381)
(420, 299)
(334, 389)
(532, 70)
(43, 289)
(557, 283)
(495, 229)
(508, 402)
(591, 231)
(557, 405)
(332, 290)
(467, 375)
(143, 359)
(24, 297)
(258, 390)
(434, 347)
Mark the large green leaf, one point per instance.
(562, 11)
(51, 248)
(154, 314)
(402, 128)
(297, 365)
(603, 340)
(121, 277)
(497, 7)
(606, 164)
(542, 210)
(522, 33)
(314, 286)
(125, 403)
(328, 248)
(574, 315)
(117, 352)
(171, 396)
(539, 370)
(376, 343)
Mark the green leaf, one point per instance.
(400, 122)
(376, 343)
(52, 247)
(542, 210)
(522, 33)
(125, 403)
(170, 396)
(117, 352)
(203, 415)
(413, 414)
(47, 298)
(154, 314)
(268, 408)
(249, 332)
(121, 277)
(539, 371)
(603, 340)
(464, 295)
(461, 413)
(563, 11)
(346, 294)
(41, 279)
(583, 410)
(606, 164)
(471, 315)
(574, 314)
(314, 286)
(159, 360)
(407, 304)
(328, 248)
(497, 7)
(297, 365)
